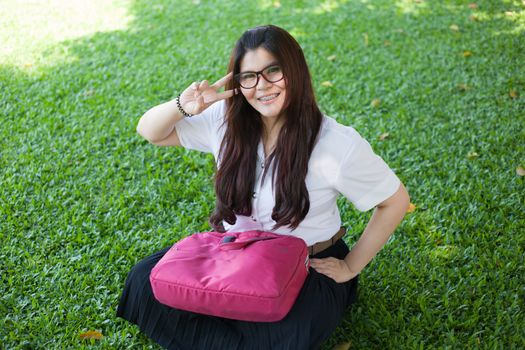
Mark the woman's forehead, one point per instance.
(256, 60)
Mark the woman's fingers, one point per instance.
(325, 265)
(222, 81)
(207, 94)
(226, 94)
(200, 103)
(322, 261)
(204, 85)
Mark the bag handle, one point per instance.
(228, 242)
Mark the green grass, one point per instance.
(83, 197)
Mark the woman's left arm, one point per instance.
(386, 217)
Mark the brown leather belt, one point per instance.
(320, 246)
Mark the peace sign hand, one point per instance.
(199, 96)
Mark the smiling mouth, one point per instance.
(268, 98)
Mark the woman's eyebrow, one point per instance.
(273, 63)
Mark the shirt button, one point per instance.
(262, 165)
(253, 194)
(253, 218)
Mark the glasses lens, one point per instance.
(247, 80)
(273, 74)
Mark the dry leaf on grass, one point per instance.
(473, 6)
(91, 335)
(472, 155)
(342, 346)
(365, 35)
(513, 94)
(327, 83)
(520, 171)
(467, 53)
(454, 27)
(331, 58)
(463, 87)
(411, 208)
(375, 102)
(383, 136)
(89, 92)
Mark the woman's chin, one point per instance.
(270, 116)
(269, 112)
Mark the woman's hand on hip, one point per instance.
(200, 95)
(334, 268)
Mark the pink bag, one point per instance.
(249, 276)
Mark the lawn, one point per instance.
(83, 197)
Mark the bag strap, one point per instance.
(229, 243)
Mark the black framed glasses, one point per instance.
(249, 80)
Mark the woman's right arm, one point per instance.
(157, 125)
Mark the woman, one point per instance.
(267, 122)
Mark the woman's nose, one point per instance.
(263, 83)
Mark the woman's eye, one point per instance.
(274, 69)
(247, 76)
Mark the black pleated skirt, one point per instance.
(317, 312)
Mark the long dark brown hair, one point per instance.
(235, 177)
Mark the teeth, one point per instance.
(268, 98)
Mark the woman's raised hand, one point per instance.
(200, 95)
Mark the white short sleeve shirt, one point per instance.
(342, 162)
